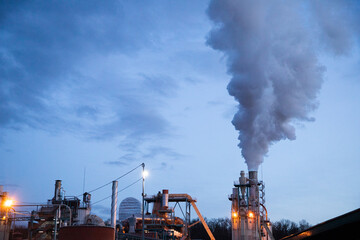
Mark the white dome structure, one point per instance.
(128, 207)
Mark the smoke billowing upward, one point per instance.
(271, 49)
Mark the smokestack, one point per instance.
(165, 199)
(253, 176)
(57, 192)
(254, 189)
(114, 203)
(248, 218)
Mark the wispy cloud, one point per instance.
(169, 153)
(116, 163)
(55, 75)
(98, 71)
(103, 212)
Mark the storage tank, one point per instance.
(86, 232)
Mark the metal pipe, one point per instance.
(55, 224)
(242, 181)
(70, 212)
(57, 213)
(266, 213)
(114, 203)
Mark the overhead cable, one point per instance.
(113, 180)
(118, 191)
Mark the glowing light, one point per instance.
(234, 215)
(3, 217)
(145, 174)
(251, 214)
(8, 203)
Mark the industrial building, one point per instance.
(164, 216)
(69, 218)
(161, 222)
(249, 218)
(129, 207)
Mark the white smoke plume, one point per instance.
(271, 49)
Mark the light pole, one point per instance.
(143, 202)
(6, 204)
(144, 174)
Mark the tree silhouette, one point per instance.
(221, 228)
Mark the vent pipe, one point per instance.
(114, 203)
(165, 198)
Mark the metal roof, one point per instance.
(342, 227)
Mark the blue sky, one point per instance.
(108, 86)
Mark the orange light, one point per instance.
(234, 215)
(3, 217)
(251, 214)
(8, 203)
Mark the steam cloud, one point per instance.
(271, 49)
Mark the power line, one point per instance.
(113, 180)
(117, 191)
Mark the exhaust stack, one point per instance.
(57, 192)
(248, 214)
(114, 203)
(165, 199)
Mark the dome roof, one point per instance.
(128, 207)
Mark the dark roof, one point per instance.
(342, 227)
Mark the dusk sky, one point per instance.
(103, 86)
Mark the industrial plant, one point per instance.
(163, 215)
(69, 217)
(249, 214)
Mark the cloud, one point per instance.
(116, 163)
(163, 166)
(338, 24)
(103, 212)
(99, 71)
(163, 85)
(154, 152)
(64, 67)
(43, 46)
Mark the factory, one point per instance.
(163, 215)
(249, 218)
(69, 217)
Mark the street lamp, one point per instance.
(8, 203)
(144, 175)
